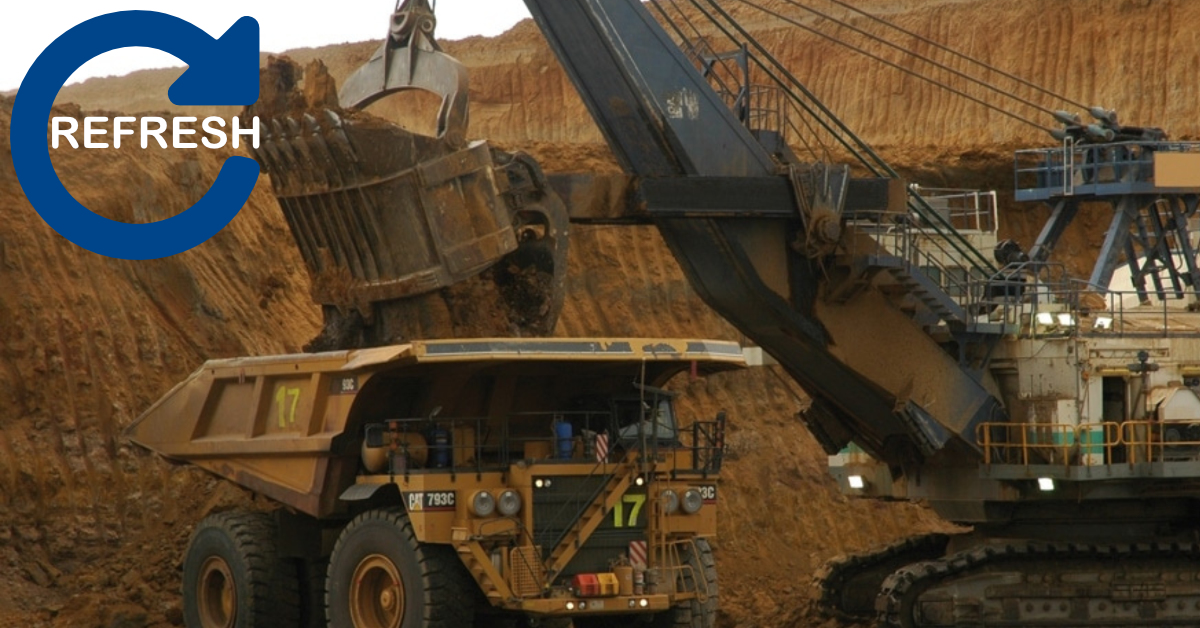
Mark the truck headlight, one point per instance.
(483, 504)
(670, 501)
(692, 501)
(509, 503)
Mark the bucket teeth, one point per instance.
(308, 156)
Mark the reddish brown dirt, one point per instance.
(90, 527)
(91, 530)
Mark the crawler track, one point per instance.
(849, 585)
(1047, 585)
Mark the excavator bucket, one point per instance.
(383, 215)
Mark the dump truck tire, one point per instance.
(380, 576)
(312, 573)
(233, 578)
(695, 613)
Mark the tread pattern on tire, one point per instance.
(310, 573)
(447, 586)
(695, 613)
(271, 581)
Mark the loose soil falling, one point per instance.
(92, 530)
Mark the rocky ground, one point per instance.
(92, 530)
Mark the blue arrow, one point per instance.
(221, 72)
(227, 74)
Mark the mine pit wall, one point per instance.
(91, 530)
(1137, 56)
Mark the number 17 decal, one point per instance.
(287, 413)
(637, 501)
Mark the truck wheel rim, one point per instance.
(218, 598)
(376, 594)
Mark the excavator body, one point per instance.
(1053, 415)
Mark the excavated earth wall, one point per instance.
(92, 530)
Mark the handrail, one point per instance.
(1150, 438)
(899, 236)
(1074, 169)
(672, 570)
(1040, 288)
(1062, 442)
(483, 430)
(970, 210)
(1140, 441)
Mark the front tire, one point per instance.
(699, 612)
(380, 576)
(233, 578)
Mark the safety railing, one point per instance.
(1044, 301)
(708, 445)
(1153, 441)
(575, 506)
(445, 444)
(1089, 444)
(1032, 443)
(557, 441)
(457, 444)
(923, 250)
(673, 575)
(1036, 299)
(1077, 169)
(1052, 304)
(1127, 314)
(965, 210)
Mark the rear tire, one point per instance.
(380, 576)
(233, 577)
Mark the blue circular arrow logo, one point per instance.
(220, 72)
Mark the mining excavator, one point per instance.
(1058, 418)
(1055, 417)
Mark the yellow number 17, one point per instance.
(287, 412)
(619, 510)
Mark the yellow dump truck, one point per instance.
(452, 483)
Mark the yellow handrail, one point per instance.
(1019, 443)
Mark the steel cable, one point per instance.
(894, 65)
(961, 55)
(933, 62)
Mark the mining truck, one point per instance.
(452, 483)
